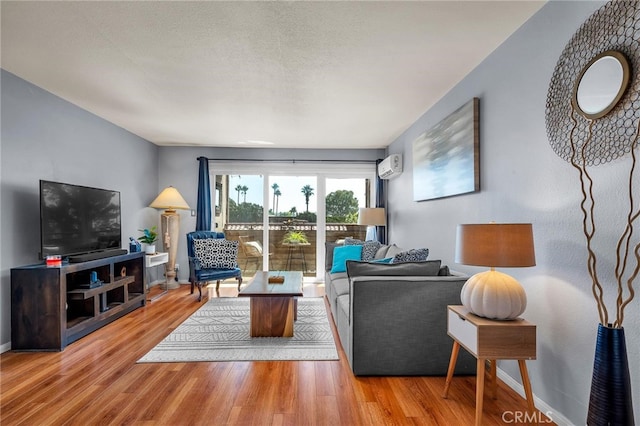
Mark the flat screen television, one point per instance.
(78, 219)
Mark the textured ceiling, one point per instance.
(280, 74)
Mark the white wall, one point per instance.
(45, 137)
(522, 180)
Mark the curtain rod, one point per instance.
(293, 161)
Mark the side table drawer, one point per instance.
(465, 332)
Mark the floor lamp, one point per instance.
(372, 217)
(170, 200)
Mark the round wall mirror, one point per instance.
(601, 84)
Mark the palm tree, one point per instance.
(239, 190)
(275, 187)
(293, 211)
(307, 190)
(244, 190)
(276, 195)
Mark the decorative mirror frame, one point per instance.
(624, 84)
(615, 26)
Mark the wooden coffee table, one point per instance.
(273, 306)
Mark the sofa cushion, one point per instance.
(216, 253)
(328, 257)
(340, 285)
(444, 271)
(342, 254)
(413, 255)
(343, 305)
(421, 269)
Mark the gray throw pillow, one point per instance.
(444, 271)
(421, 269)
(413, 255)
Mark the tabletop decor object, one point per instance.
(593, 118)
(493, 294)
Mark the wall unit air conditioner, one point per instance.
(390, 167)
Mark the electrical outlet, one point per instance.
(177, 267)
(193, 213)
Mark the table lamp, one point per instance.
(170, 200)
(372, 217)
(492, 294)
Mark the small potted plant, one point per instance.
(149, 237)
(295, 237)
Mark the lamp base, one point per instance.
(494, 295)
(170, 232)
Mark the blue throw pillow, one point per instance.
(342, 254)
(383, 260)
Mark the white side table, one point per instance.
(152, 261)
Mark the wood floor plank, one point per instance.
(96, 380)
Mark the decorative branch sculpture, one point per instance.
(625, 249)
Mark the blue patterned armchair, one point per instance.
(211, 257)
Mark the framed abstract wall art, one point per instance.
(446, 158)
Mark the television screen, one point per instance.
(77, 219)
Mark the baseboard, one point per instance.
(541, 405)
(4, 348)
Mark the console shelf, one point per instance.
(50, 308)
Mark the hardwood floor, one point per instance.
(96, 381)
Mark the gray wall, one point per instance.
(523, 180)
(45, 137)
(179, 168)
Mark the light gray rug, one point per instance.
(219, 331)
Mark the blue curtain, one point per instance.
(381, 231)
(203, 218)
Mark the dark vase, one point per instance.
(610, 399)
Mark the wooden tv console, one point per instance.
(52, 307)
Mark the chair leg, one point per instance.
(192, 285)
(239, 282)
(199, 291)
(218, 285)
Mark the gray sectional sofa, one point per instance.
(392, 318)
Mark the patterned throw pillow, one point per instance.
(413, 255)
(216, 253)
(369, 248)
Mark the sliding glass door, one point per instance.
(292, 223)
(282, 214)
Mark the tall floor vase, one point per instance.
(610, 399)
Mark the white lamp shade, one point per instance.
(169, 199)
(492, 294)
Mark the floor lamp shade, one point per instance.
(372, 217)
(170, 200)
(493, 294)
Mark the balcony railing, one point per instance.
(286, 257)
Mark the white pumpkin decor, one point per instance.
(492, 294)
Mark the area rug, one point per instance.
(219, 331)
